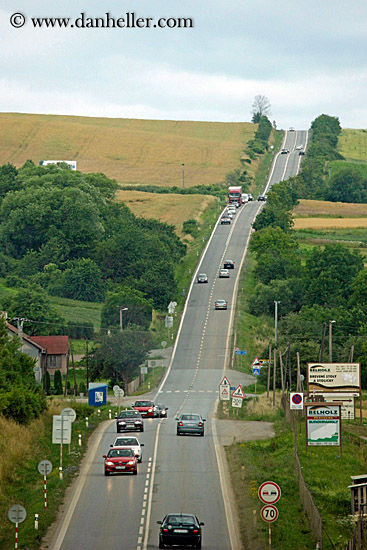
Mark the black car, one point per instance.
(228, 264)
(250, 197)
(180, 530)
(301, 153)
(129, 421)
(261, 198)
(160, 410)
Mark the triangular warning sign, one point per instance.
(238, 392)
(224, 391)
(256, 362)
(225, 382)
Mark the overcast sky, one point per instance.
(307, 57)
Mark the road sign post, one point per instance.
(44, 468)
(17, 514)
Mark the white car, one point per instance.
(130, 442)
(224, 273)
(299, 147)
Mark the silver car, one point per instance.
(190, 423)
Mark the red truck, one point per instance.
(234, 196)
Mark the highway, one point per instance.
(178, 474)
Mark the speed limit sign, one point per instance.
(269, 513)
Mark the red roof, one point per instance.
(54, 345)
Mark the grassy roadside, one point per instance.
(266, 163)
(20, 481)
(326, 474)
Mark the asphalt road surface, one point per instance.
(178, 473)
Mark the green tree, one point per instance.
(347, 185)
(83, 281)
(46, 381)
(139, 310)
(33, 303)
(119, 355)
(59, 390)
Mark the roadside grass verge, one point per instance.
(252, 333)
(21, 449)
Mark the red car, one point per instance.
(146, 408)
(120, 460)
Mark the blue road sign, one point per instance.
(233, 388)
(255, 372)
(243, 352)
(237, 352)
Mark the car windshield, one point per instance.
(129, 414)
(143, 403)
(202, 275)
(114, 453)
(120, 441)
(180, 520)
(190, 417)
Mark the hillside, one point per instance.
(352, 144)
(129, 150)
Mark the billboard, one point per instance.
(338, 377)
(323, 424)
(70, 163)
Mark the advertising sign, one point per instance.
(340, 377)
(323, 424)
(347, 401)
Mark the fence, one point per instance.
(308, 503)
(359, 538)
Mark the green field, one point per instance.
(78, 312)
(131, 151)
(352, 144)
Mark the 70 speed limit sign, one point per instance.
(269, 513)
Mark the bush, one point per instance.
(191, 227)
(22, 404)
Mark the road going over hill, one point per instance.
(178, 473)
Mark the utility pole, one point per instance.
(183, 176)
(276, 302)
(331, 340)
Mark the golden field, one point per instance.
(313, 208)
(131, 151)
(329, 223)
(170, 208)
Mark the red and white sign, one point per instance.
(225, 382)
(256, 362)
(269, 513)
(238, 392)
(224, 393)
(269, 492)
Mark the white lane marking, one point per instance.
(146, 534)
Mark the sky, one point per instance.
(307, 58)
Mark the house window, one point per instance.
(53, 361)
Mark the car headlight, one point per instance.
(150, 410)
(109, 463)
(131, 462)
(163, 412)
(138, 422)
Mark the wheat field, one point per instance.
(313, 208)
(352, 144)
(131, 151)
(171, 208)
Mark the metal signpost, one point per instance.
(17, 514)
(61, 433)
(224, 390)
(44, 468)
(119, 393)
(237, 397)
(269, 493)
(69, 413)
